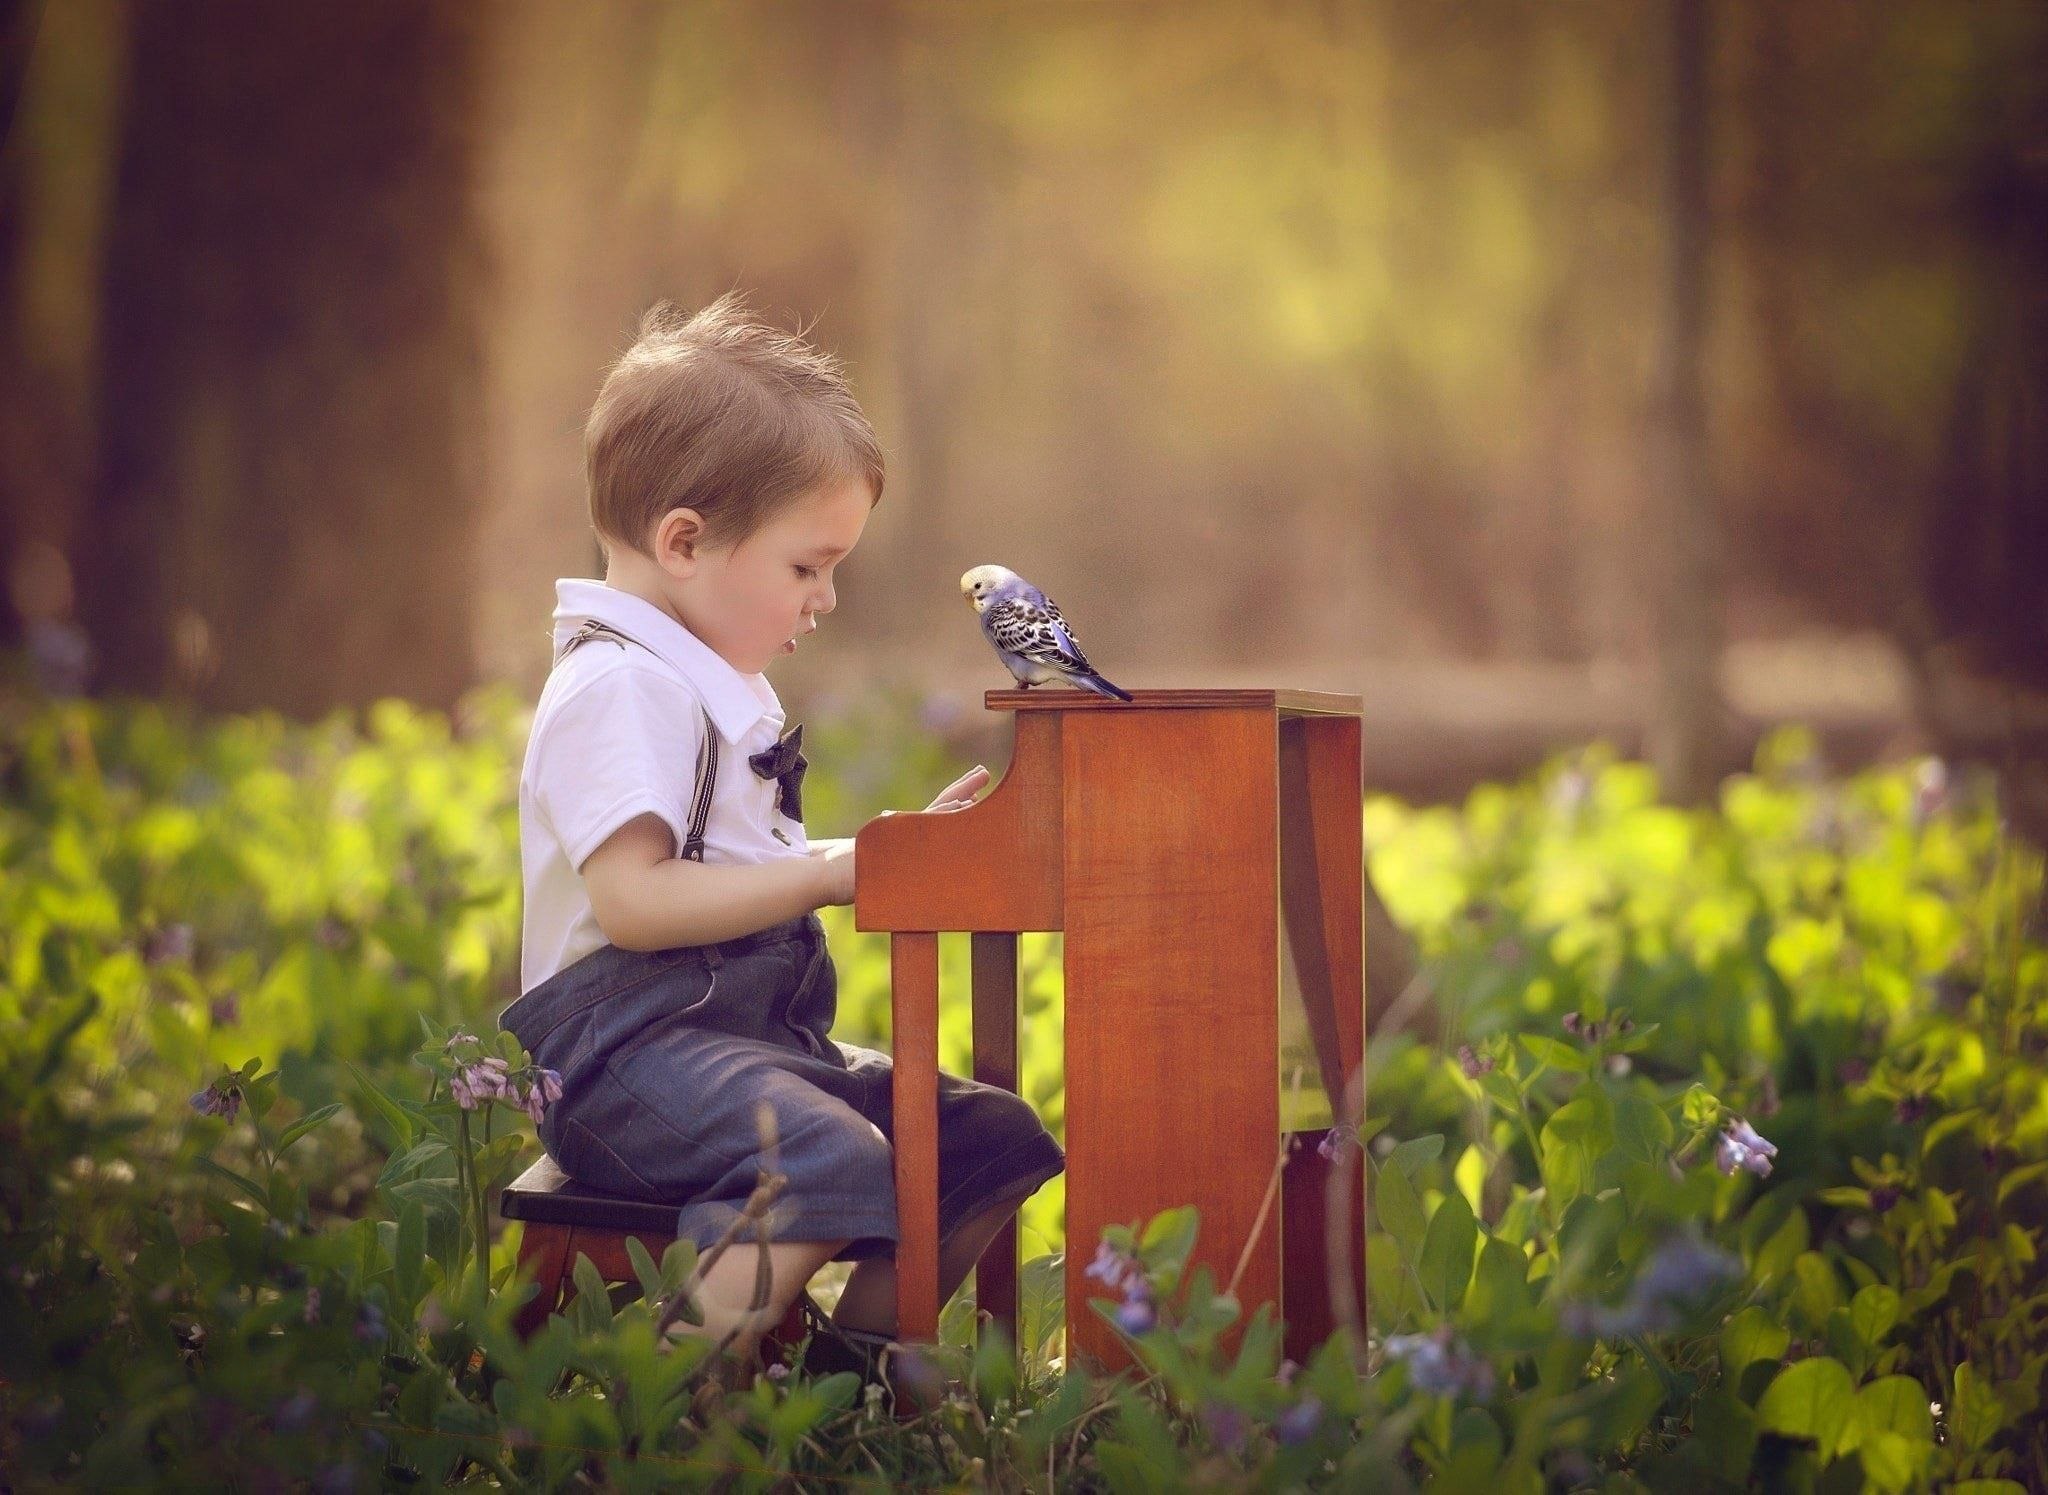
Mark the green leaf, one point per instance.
(1976, 1414)
(592, 1311)
(1816, 1290)
(2019, 1178)
(1556, 1055)
(305, 1124)
(1873, 1312)
(644, 1269)
(1947, 1126)
(1890, 1462)
(1641, 1129)
(1813, 1399)
(1399, 1212)
(1447, 1245)
(1500, 1283)
(1749, 1336)
(1041, 1302)
(248, 1186)
(386, 1108)
(1896, 1404)
(1575, 1137)
(1415, 1152)
(409, 1252)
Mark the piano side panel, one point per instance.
(992, 867)
(1172, 987)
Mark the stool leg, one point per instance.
(914, 1028)
(544, 1252)
(995, 1063)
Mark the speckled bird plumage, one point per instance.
(1033, 641)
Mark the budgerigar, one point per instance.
(1035, 643)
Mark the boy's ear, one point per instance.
(678, 537)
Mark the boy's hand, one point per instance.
(836, 872)
(959, 794)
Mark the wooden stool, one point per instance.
(564, 1219)
(1172, 838)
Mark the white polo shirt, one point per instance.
(615, 735)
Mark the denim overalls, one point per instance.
(668, 1056)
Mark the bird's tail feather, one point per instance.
(1100, 686)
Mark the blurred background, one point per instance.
(1648, 371)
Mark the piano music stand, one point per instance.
(1171, 839)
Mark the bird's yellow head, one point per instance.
(978, 584)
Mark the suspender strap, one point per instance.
(707, 751)
(707, 775)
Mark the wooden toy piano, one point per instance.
(1173, 840)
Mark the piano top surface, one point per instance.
(1286, 702)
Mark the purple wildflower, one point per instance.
(1287, 1372)
(1439, 1365)
(1226, 1425)
(224, 1011)
(1681, 1272)
(1853, 1071)
(1912, 1108)
(172, 942)
(1571, 1023)
(1300, 1422)
(1739, 1146)
(1884, 1198)
(294, 1412)
(1136, 1315)
(1474, 1064)
(458, 1087)
(1109, 1266)
(214, 1101)
(370, 1323)
(542, 1091)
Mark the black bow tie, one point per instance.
(785, 764)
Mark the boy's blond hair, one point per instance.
(722, 414)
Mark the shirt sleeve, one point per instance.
(623, 745)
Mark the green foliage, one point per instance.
(1584, 1268)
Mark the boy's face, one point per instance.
(754, 602)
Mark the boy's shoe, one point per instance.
(832, 1347)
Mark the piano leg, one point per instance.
(914, 1030)
(995, 1063)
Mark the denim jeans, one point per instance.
(687, 1073)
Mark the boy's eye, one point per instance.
(806, 572)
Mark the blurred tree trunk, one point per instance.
(288, 465)
(1685, 736)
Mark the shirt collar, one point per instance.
(737, 702)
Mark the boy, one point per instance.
(673, 968)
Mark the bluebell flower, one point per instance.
(1109, 1266)
(1440, 1366)
(1680, 1273)
(1300, 1422)
(1136, 1315)
(1740, 1147)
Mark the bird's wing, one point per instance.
(1035, 633)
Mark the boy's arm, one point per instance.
(645, 897)
(826, 846)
